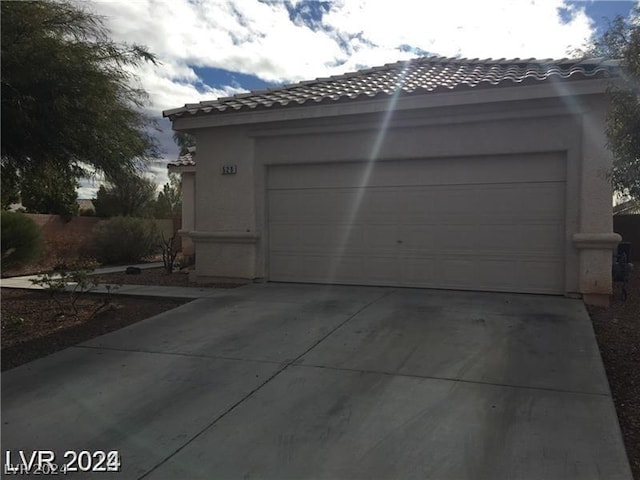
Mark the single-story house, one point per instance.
(444, 173)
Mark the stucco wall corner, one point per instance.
(595, 254)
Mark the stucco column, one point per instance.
(224, 233)
(595, 239)
(188, 212)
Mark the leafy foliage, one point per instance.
(56, 284)
(87, 212)
(125, 195)
(21, 240)
(169, 201)
(9, 190)
(169, 251)
(68, 97)
(49, 190)
(74, 283)
(622, 41)
(124, 239)
(184, 141)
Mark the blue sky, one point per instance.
(213, 48)
(310, 14)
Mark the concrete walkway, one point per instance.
(24, 282)
(307, 381)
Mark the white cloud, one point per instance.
(258, 38)
(172, 85)
(466, 28)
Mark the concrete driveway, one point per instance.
(303, 381)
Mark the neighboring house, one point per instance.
(626, 222)
(438, 172)
(629, 207)
(85, 204)
(186, 167)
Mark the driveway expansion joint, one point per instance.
(286, 365)
(449, 379)
(178, 354)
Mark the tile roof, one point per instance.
(421, 75)
(186, 160)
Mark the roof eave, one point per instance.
(454, 97)
(181, 168)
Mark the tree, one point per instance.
(622, 41)
(9, 191)
(169, 201)
(68, 97)
(184, 141)
(21, 240)
(48, 190)
(125, 195)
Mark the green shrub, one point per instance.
(124, 240)
(21, 240)
(87, 212)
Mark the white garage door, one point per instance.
(494, 224)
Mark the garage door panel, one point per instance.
(375, 201)
(420, 202)
(497, 273)
(543, 199)
(455, 238)
(420, 271)
(521, 168)
(316, 239)
(380, 239)
(285, 237)
(419, 239)
(379, 270)
(281, 207)
(348, 269)
(541, 237)
(346, 239)
(497, 238)
(316, 267)
(542, 275)
(479, 236)
(295, 206)
(498, 200)
(458, 270)
(285, 267)
(332, 268)
(455, 201)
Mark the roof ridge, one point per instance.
(426, 73)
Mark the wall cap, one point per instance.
(596, 241)
(224, 237)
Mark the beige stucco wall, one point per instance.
(594, 237)
(188, 212)
(225, 227)
(188, 186)
(230, 217)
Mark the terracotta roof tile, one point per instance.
(422, 75)
(186, 160)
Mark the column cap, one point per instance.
(596, 241)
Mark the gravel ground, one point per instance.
(158, 276)
(32, 325)
(618, 332)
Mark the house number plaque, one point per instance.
(229, 169)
